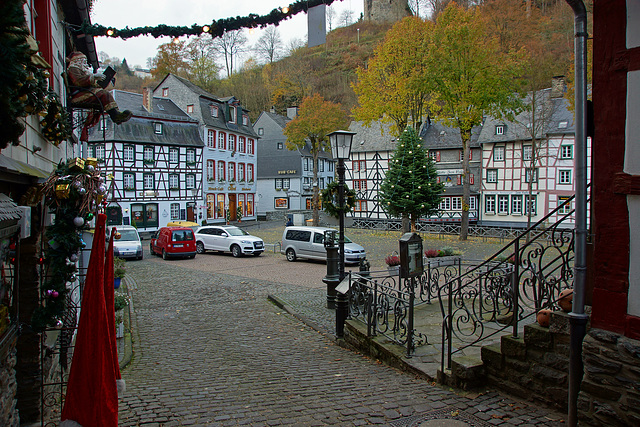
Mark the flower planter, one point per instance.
(393, 270)
(120, 330)
(116, 282)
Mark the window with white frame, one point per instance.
(190, 109)
(232, 114)
(566, 151)
(498, 153)
(566, 209)
(329, 180)
(129, 181)
(260, 131)
(531, 175)
(472, 203)
(445, 204)
(249, 204)
(222, 140)
(148, 155)
(191, 156)
(173, 155)
(321, 183)
(278, 183)
(190, 180)
(331, 166)
(516, 204)
(358, 165)
(211, 138)
(221, 171)
(128, 153)
(231, 171)
(241, 141)
(250, 146)
(157, 128)
(286, 183)
(211, 170)
(174, 181)
(250, 172)
(232, 142)
(280, 146)
(165, 92)
(320, 165)
(359, 184)
(490, 204)
(214, 111)
(361, 206)
(148, 181)
(492, 175)
(503, 204)
(564, 176)
(499, 129)
(245, 120)
(456, 203)
(241, 172)
(100, 152)
(527, 152)
(530, 206)
(175, 210)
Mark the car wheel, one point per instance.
(140, 257)
(236, 251)
(164, 254)
(291, 255)
(200, 248)
(257, 253)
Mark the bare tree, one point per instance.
(202, 61)
(230, 45)
(419, 6)
(346, 17)
(269, 45)
(331, 15)
(295, 44)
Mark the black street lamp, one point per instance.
(341, 149)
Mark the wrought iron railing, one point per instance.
(515, 283)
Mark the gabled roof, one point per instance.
(192, 87)
(277, 118)
(436, 136)
(559, 120)
(178, 127)
(376, 137)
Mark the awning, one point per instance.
(7, 164)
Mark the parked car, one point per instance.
(173, 242)
(227, 238)
(128, 246)
(308, 243)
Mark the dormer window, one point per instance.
(157, 127)
(245, 120)
(165, 92)
(232, 114)
(190, 109)
(214, 111)
(563, 125)
(500, 130)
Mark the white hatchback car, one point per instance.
(128, 245)
(227, 238)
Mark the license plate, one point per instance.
(178, 246)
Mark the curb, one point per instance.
(304, 319)
(128, 342)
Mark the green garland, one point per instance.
(215, 29)
(74, 193)
(329, 198)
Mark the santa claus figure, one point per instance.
(86, 91)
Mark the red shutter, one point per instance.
(437, 156)
(470, 154)
(459, 179)
(471, 179)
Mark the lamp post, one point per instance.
(341, 149)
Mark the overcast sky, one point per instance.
(140, 13)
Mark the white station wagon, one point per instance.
(227, 238)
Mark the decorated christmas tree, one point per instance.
(410, 189)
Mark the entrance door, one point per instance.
(191, 212)
(232, 207)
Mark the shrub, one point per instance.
(431, 253)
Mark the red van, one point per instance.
(172, 242)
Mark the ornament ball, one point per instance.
(89, 216)
(78, 221)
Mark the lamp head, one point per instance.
(341, 143)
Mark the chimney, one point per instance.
(147, 99)
(558, 87)
(292, 112)
(272, 110)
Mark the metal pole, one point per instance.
(341, 203)
(578, 319)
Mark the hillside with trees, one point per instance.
(280, 76)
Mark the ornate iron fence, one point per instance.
(523, 277)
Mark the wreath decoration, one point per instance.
(329, 198)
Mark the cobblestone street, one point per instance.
(210, 349)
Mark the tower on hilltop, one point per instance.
(386, 10)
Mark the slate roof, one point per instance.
(9, 210)
(376, 137)
(516, 130)
(435, 135)
(178, 127)
(192, 87)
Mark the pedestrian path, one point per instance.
(210, 349)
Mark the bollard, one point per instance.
(333, 276)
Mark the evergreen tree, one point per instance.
(410, 188)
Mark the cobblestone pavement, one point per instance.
(210, 349)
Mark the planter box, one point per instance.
(120, 330)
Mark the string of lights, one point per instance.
(215, 29)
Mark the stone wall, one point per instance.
(8, 385)
(385, 10)
(610, 390)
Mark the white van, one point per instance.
(308, 243)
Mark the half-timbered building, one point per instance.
(524, 177)
(445, 149)
(154, 161)
(229, 155)
(285, 177)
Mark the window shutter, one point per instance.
(470, 154)
(471, 179)
(437, 156)
(459, 179)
